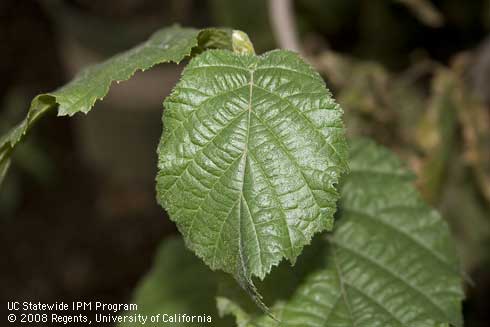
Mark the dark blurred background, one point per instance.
(78, 216)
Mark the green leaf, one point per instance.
(389, 262)
(251, 150)
(167, 45)
(177, 284)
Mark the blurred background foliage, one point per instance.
(77, 210)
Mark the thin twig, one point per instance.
(283, 22)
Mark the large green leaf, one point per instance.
(390, 260)
(167, 45)
(251, 150)
(179, 283)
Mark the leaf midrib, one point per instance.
(242, 193)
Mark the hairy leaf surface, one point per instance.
(167, 45)
(389, 262)
(177, 284)
(251, 150)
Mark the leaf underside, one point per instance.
(167, 45)
(251, 150)
(389, 262)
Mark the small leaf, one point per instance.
(167, 45)
(390, 260)
(251, 150)
(177, 284)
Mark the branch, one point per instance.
(281, 15)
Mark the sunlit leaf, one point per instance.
(251, 151)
